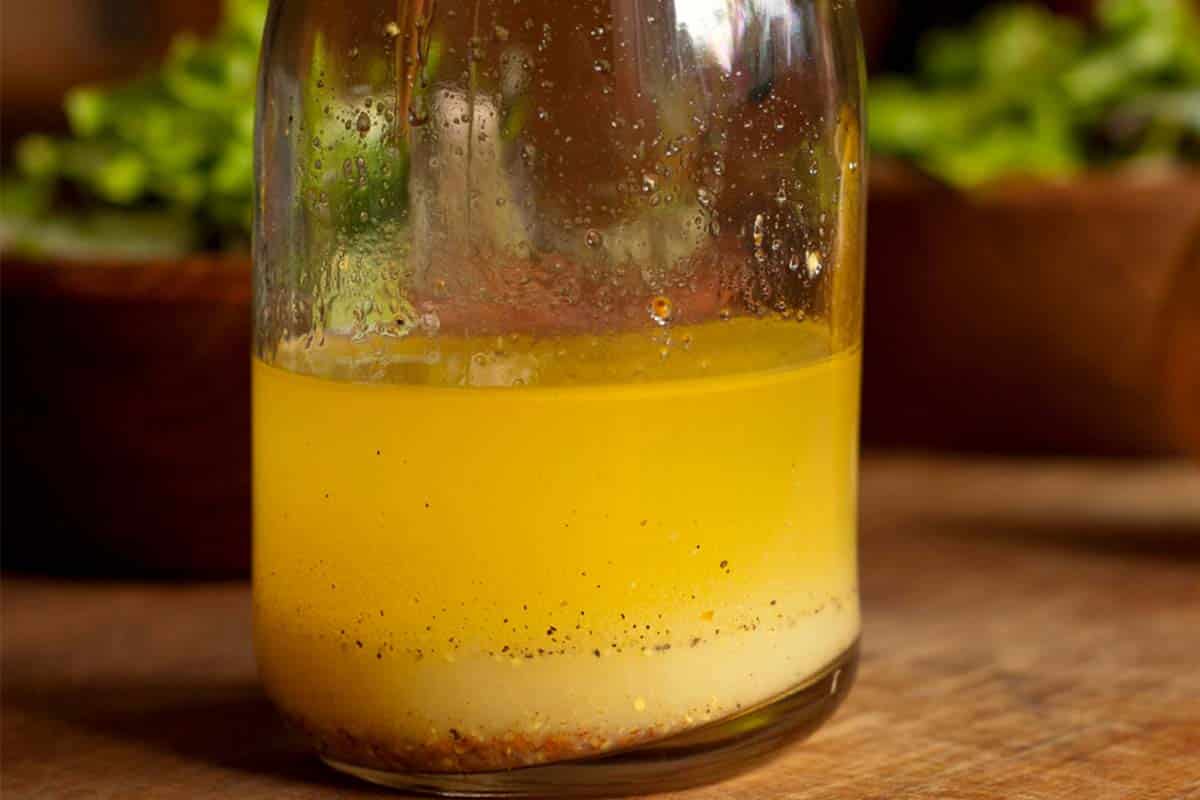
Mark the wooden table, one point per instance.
(1032, 631)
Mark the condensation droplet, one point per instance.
(602, 65)
(812, 264)
(794, 262)
(593, 238)
(661, 310)
(760, 230)
(649, 183)
(364, 122)
(391, 29)
(418, 112)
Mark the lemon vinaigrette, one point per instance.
(509, 552)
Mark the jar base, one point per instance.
(703, 755)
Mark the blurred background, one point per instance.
(1033, 259)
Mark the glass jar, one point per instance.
(556, 384)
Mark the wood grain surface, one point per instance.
(1032, 631)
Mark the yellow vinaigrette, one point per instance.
(520, 549)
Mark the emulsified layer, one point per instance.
(470, 578)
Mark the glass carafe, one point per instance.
(556, 376)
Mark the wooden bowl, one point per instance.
(1031, 316)
(126, 416)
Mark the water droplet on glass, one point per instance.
(593, 238)
(704, 197)
(853, 166)
(501, 33)
(649, 183)
(601, 65)
(760, 231)
(364, 122)
(813, 264)
(391, 29)
(725, 314)
(353, 52)
(661, 310)
(779, 125)
(418, 112)
(794, 262)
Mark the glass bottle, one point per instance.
(556, 375)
